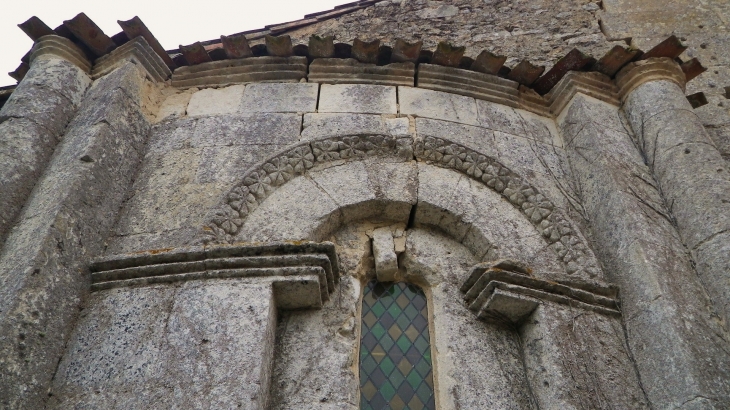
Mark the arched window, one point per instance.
(395, 348)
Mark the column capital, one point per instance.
(60, 47)
(653, 69)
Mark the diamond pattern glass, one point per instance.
(395, 348)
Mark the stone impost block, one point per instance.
(313, 266)
(283, 97)
(241, 71)
(386, 261)
(485, 279)
(214, 101)
(358, 98)
(437, 105)
(351, 71)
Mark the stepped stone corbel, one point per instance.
(557, 324)
(505, 290)
(302, 275)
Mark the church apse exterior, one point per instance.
(352, 212)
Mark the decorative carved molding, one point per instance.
(500, 291)
(62, 48)
(470, 83)
(241, 71)
(593, 84)
(351, 71)
(137, 51)
(303, 274)
(653, 69)
(259, 181)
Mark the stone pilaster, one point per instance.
(69, 214)
(34, 119)
(189, 328)
(693, 177)
(677, 343)
(573, 344)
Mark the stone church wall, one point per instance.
(205, 241)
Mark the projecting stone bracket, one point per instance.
(302, 275)
(504, 291)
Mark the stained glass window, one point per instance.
(395, 348)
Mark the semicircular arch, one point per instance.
(301, 161)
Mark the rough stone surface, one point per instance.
(201, 344)
(358, 98)
(453, 180)
(437, 105)
(331, 125)
(564, 358)
(478, 365)
(188, 165)
(693, 176)
(64, 224)
(212, 101)
(280, 97)
(32, 122)
(386, 261)
(642, 253)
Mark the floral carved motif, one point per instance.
(259, 181)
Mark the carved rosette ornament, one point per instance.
(261, 180)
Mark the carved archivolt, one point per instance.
(259, 181)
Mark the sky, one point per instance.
(172, 23)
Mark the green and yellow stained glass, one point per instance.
(395, 348)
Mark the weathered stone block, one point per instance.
(358, 98)
(386, 261)
(333, 125)
(437, 105)
(277, 219)
(280, 97)
(175, 105)
(247, 129)
(211, 101)
(140, 338)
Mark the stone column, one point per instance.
(34, 119)
(69, 213)
(693, 178)
(679, 346)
